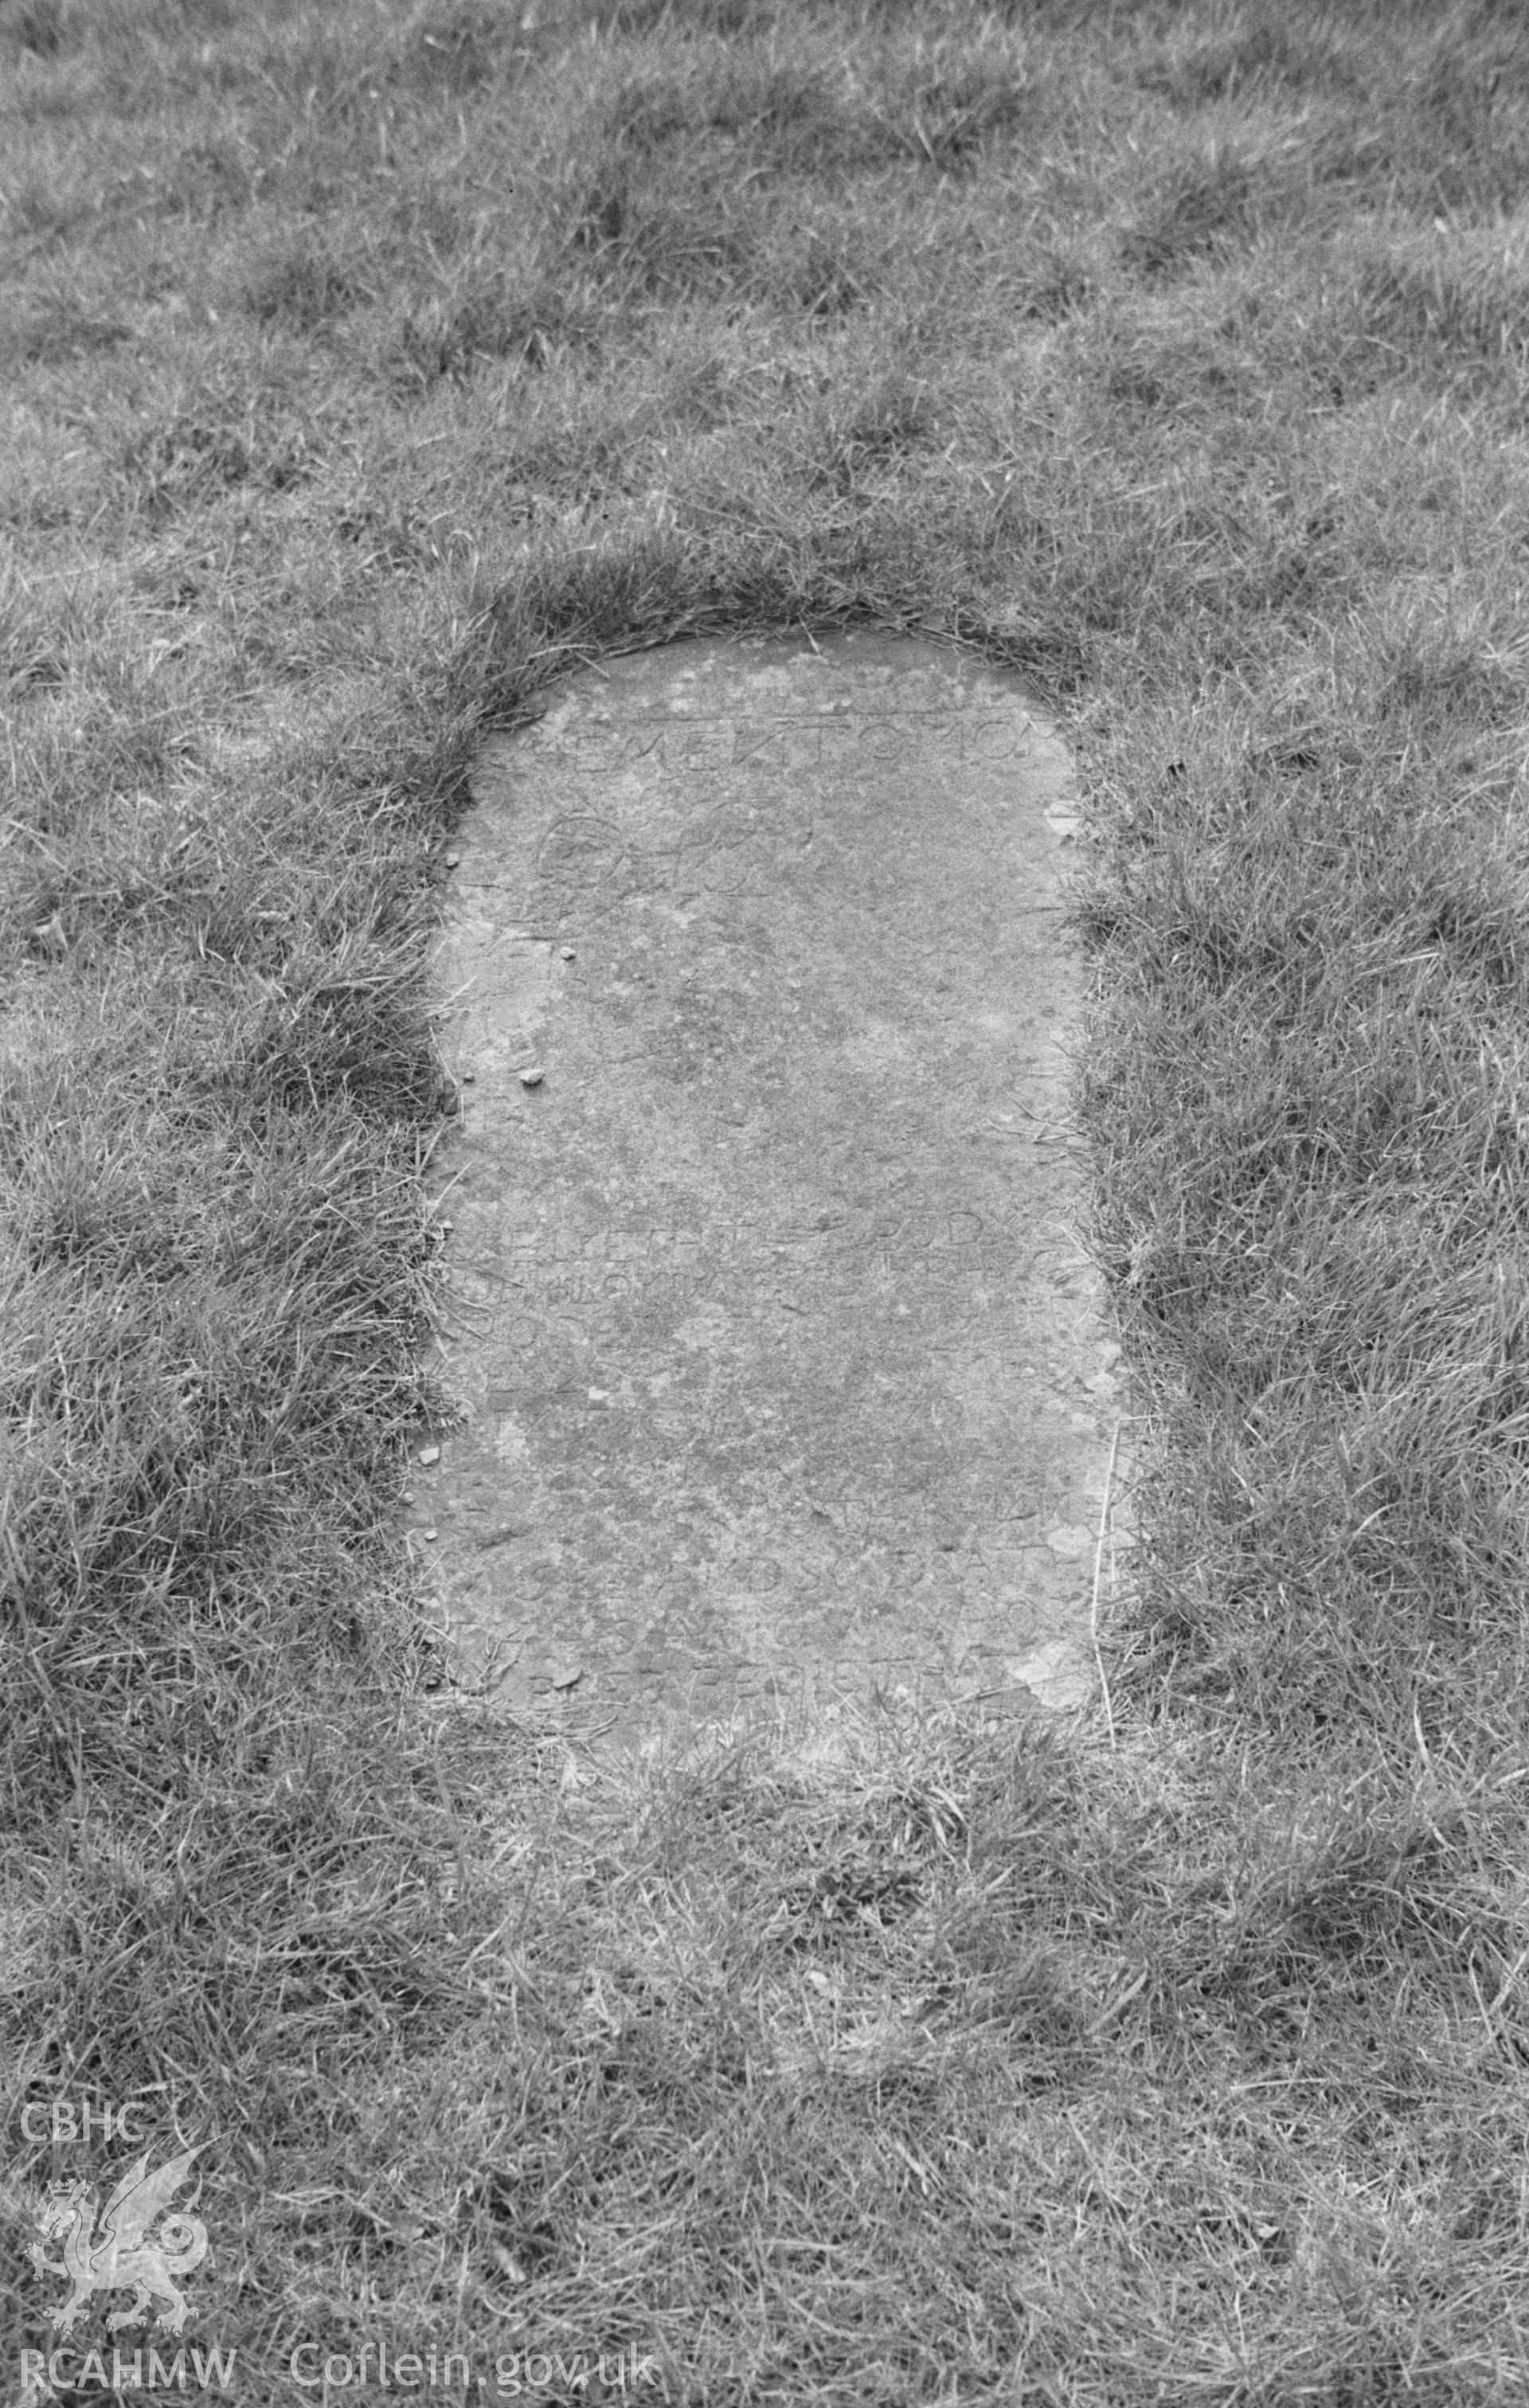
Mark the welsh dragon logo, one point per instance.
(120, 2255)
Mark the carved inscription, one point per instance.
(633, 1289)
(699, 743)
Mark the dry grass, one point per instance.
(363, 368)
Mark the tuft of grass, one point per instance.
(367, 369)
(301, 286)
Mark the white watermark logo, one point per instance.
(139, 2242)
(122, 2253)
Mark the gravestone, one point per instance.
(782, 1365)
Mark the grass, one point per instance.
(363, 368)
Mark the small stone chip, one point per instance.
(534, 1077)
(453, 859)
(566, 953)
(566, 1676)
(429, 1455)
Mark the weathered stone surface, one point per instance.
(782, 1359)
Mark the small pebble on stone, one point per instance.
(453, 859)
(429, 1455)
(566, 953)
(534, 1077)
